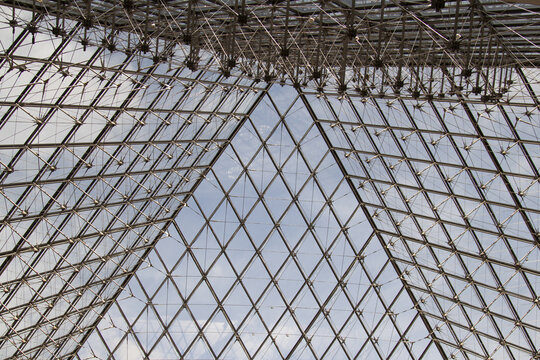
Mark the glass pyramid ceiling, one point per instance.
(266, 180)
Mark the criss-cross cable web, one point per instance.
(272, 258)
(98, 151)
(337, 180)
(453, 191)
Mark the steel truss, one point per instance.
(373, 47)
(92, 173)
(281, 179)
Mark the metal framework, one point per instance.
(269, 179)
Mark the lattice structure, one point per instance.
(453, 191)
(271, 261)
(97, 154)
(375, 47)
(269, 180)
